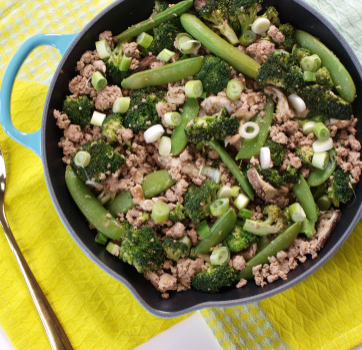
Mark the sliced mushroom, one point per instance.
(145, 63)
(328, 227)
(263, 189)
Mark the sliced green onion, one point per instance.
(309, 76)
(260, 25)
(219, 206)
(103, 49)
(165, 55)
(242, 201)
(153, 133)
(296, 212)
(82, 158)
(247, 38)
(194, 88)
(245, 214)
(246, 134)
(308, 127)
(119, 49)
(172, 118)
(165, 146)
(234, 89)
(204, 95)
(212, 173)
(203, 229)
(220, 256)
(280, 52)
(321, 131)
(324, 202)
(144, 40)
(320, 160)
(160, 212)
(224, 192)
(99, 82)
(125, 63)
(101, 238)
(235, 191)
(97, 118)
(105, 196)
(112, 248)
(321, 146)
(186, 44)
(317, 61)
(308, 64)
(265, 158)
(297, 103)
(121, 104)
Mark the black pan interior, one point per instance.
(117, 17)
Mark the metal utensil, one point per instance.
(54, 331)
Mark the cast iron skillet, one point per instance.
(117, 17)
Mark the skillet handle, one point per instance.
(30, 140)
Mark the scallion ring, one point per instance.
(247, 38)
(153, 133)
(321, 146)
(220, 256)
(235, 191)
(260, 25)
(194, 89)
(99, 82)
(308, 64)
(244, 130)
(234, 89)
(164, 148)
(308, 127)
(97, 118)
(212, 173)
(321, 131)
(297, 103)
(144, 40)
(160, 212)
(82, 159)
(224, 192)
(121, 104)
(172, 118)
(242, 201)
(219, 206)
(296, 212)
(103, 49)
(320, 160)
(265, 158)
(125, 63)
(165, 55)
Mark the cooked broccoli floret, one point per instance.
(277, 151)
(300, 52)
(165, 35)
(161, 6)
(209, 128)
(323, 77)
(197, 200)
(272, 15)
(142, 112)
(239, 239)
(176, 249)
(79, 110)
(305, 154)
(288, 30)
(142, 249)
(341, 189)
(276, 222)
(214, 278)
(271, 175)
(214, 74)
(103, 160)
(291, 175)
(110, 125)
(178, 214)
(114, 75)
(216, 12)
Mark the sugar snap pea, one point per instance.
(201, 32)
(319, 176)
(88, 204)
(282, 242)
(165, 74)
(121, 204)
(157, 182)
(155, 21)
(251, 147)
(190, 110)
(341, 78)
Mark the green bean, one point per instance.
(282, 242)
(233, 167)
(341, 78)
(88, 204)
(190, 110)
(121, 204)
(201, 32)
(165, 74)
(156, 20)
(305, 198)
(318, 176)
(251, 147)
(157, 182)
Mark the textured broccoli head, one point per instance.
(177, 249)
(79, 110)
(110, 125)
(305, 154)
(323, 77)
(271, 175)
(214, 74)
(242, 13)
(239, 239)
(142, 112)
(340, 190)
(291, 175)
(161, 6)
(142, 249)
(272, 15)
(104, 160)
(197, 200)
(165, 35)
(277, 151)
(214, 278)
(288, 30)
(178, 214)
(325, 103)
(114, 75)
(300, 52)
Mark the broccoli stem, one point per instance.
(162, 17)
(88, 204)
(168, 73)
(282, 242)
(157, 182)
(233, 167)
(319, 176)
(121, 204)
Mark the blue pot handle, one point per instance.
(30, 140)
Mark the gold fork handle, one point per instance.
(57, 338)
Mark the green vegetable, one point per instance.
(282, 242)
(341, 78)
(238, 239)
(308, 64)
(273, 176)
(113, 73)
(341, 189)
(110, 126)
(177, 249)
(220, 256)
(296, 212)
(289, 31)
(88, 204)
(193, 88)
(82, 159)
(309, 77)
(308, 228)
(168, 73)
(165, 55)
(99, 82)
(121, 105)
(218, 46)
(79, 110)
(319, 176)
(101, 238)
(157, 182)
(125, 63)
(234, 89)
(245, 214)
(178, 214)
(277, 152)
(320, 160)
(324, 202)
(321, 131)
(121, 204)
(144, 40)
(160, 212)
(323, 77)
(305, 154)
(219, 206)
(247, 38)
